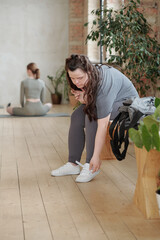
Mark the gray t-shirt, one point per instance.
(114, 88)
(32, 88)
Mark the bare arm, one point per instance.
(99, 142)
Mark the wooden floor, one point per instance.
(36, 206)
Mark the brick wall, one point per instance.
(77, 18)
(151, 11)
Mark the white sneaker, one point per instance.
(66, 169)
(86, 175)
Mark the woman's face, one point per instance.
(78, 77)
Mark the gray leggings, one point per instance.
(78, 136)
(31, 109)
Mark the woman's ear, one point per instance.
(29, 72)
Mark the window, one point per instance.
(97, 54)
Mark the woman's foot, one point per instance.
(66, 169)
(49, 105)
(86, 175)
(9, 109)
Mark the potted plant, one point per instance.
(66, 88)
(125, 37)
(58, 80)
(148, 133)
(147, 150)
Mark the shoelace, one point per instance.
(84, 169)
(80, 164)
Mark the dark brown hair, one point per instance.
(80, 61)
(33, 68)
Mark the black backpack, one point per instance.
(130, 114)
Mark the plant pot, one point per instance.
(158, 201)
(56, 98)
(148, 165)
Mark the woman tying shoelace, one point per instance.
(101, 89)
(33, 89)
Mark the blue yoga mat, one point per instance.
(47, 115)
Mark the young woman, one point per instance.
(33, 90)
(101, 90)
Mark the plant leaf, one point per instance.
(146, 138)
(157, 102)
(136, 137)
(157, 113)
(155, 136)
(149, 121)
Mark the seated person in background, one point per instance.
(33, 90)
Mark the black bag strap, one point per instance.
(119, 132)
(134, 123)
(116, 145)
(120, 117)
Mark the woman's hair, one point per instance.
(82, 62)
(33, 68)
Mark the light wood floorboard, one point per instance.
(36, 206)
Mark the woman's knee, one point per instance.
(9, 110)
(49, 105)
(78, 117)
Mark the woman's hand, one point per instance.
(78, 95)
(95, 164)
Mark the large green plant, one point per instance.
(125, 36)
(148, 133)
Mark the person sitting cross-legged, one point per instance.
(32, 89)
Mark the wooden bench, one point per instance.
(107, 153)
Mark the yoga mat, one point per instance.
(47, 115)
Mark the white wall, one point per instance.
(30, 31)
